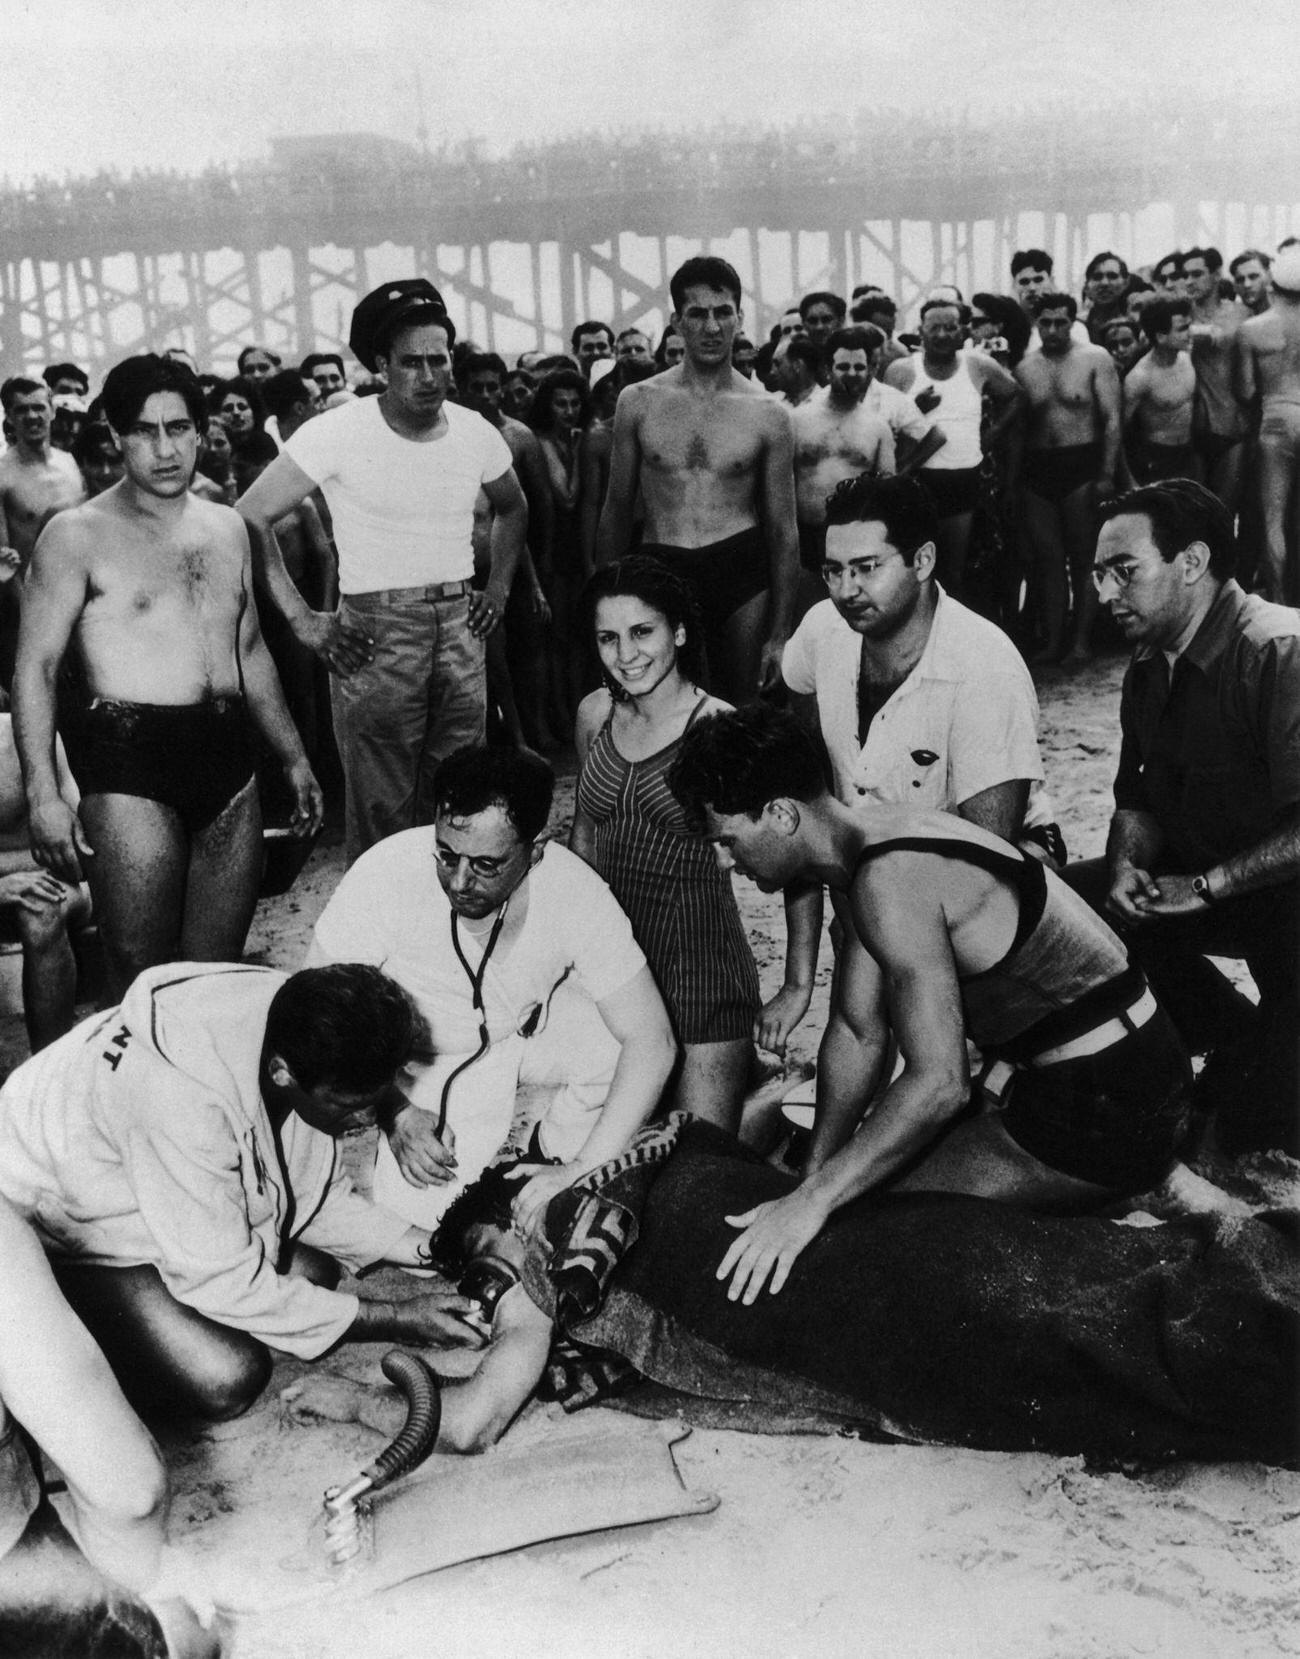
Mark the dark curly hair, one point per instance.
(739, 761)
(485, 1202)
(640, 576)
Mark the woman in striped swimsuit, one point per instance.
(631, 828)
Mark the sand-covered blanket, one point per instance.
(960, 1321)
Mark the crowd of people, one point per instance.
(784, 598)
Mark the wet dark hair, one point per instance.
(541, 416)
(1099, 259)
(18, 385)
(130, 384)
(806, 351)
(590, 327)
(1031, 259)
(1055, 302)
(874, 303)
(307, 367)
(705, 270)
(483, 775)
(1246, 255)
(241, 388)
(1173, 260)
(1212, 257)
(823, 296)
(482, 362)
(54, 372)
(939, 302)
(1179, 513)
(283, 391)
(1012, 323)
(902, 504)
(1158, 314)
(738, 761)
(348, 1025)
(641, 576)
(484, 1202)
(856, 337)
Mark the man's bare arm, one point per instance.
(615, 532)
(271, 496)
(1000, 809)
(1003, 388)
(530, 469)
(268, 708)
(55, 596)
(509, 528)
(1244, 380)
(916, 454)
(781, 530)
(1106, 385)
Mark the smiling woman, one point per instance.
(629, 826)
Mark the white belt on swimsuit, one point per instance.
(993, 1082)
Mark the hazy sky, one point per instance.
(136, 83)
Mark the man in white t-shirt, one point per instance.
(400, 473)
(525, 970)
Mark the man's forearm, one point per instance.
(644, 1066)
(270, 571)
(506, 547)
(848, 1073)
(1272, 862)
(1134, 839)
(803, 927)
(783, 569)
(911, 1114)
(268, 708)
(614, 531)
(33, 717)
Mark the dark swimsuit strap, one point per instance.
(1025, 874)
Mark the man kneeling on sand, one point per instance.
(177, 1159)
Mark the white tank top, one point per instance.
(957, 414)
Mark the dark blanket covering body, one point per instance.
(959, 1321)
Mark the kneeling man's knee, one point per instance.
(228, 1388)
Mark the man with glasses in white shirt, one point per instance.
(525, 970)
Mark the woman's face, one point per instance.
(236, 414)
(638, 646)
(566, 405)
(982, 328)
(1123, 346)
(216, 442)
(257, 366)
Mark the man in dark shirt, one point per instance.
(1204, 849)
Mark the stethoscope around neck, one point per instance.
(476, 977)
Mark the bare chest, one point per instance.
(187, 584)
(679, 438)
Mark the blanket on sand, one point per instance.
(958, 1321)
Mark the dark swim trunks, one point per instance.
(192, 757)
(952, 489)
(723, 575)
(1152, 462)
(1054, 474)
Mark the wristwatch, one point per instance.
(1201, 887)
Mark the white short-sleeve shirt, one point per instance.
(964, 719)
(403, 511)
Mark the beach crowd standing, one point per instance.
(786, 597)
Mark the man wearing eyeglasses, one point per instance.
(525, 970)
(1203, 857)
(918, 700)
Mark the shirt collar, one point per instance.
(1217, 628)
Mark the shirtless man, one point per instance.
(835, 437)
(1268, 368)
(948, 385)
(1221, 430)
(796, 369)
(518, 650)
(37, 910)
(948, 933)
(1160, 397)
(36, 481)
(1072, 451)
(1249, 273)
(154, 588)
(713, 456)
